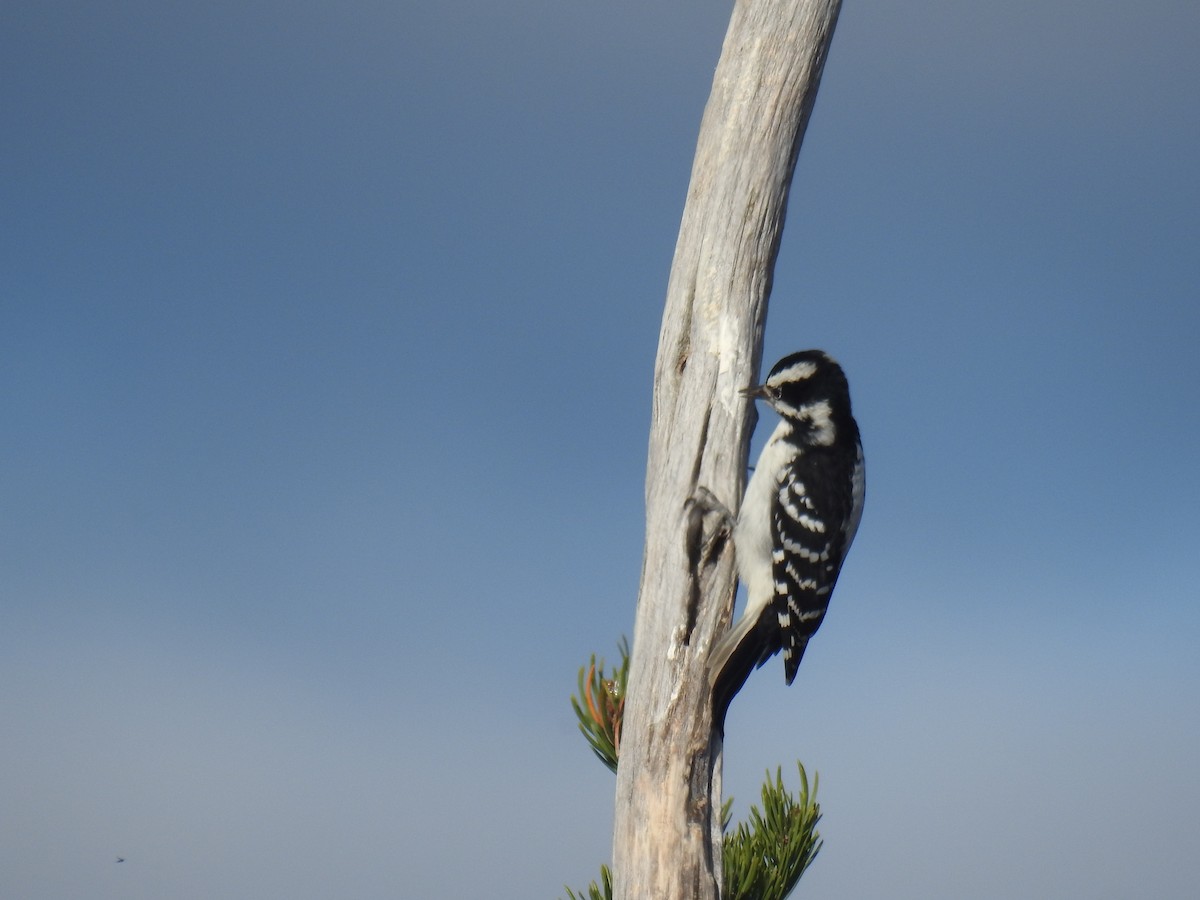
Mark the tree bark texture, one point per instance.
(667, 835)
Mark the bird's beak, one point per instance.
(754, 392)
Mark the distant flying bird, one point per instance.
(120, 859)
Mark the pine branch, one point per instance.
(602, 891)
(600, 706)
(765, 858)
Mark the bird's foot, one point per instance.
(700, 504)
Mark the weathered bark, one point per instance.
(667, 834)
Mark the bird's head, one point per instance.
(810, 391)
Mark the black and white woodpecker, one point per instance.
(797, 519)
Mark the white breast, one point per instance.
(752, 534)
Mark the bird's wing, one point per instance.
(809, 547)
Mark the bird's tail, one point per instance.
(732, 660)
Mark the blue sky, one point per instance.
(326, 335)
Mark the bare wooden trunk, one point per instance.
(667, 838)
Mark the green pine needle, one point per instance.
(602, 891)
(600, 706)
(765, 858)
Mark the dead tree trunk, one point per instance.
(667, 837)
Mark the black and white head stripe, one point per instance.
(796, 367)
(808, 386)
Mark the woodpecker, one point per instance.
(797, 519)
